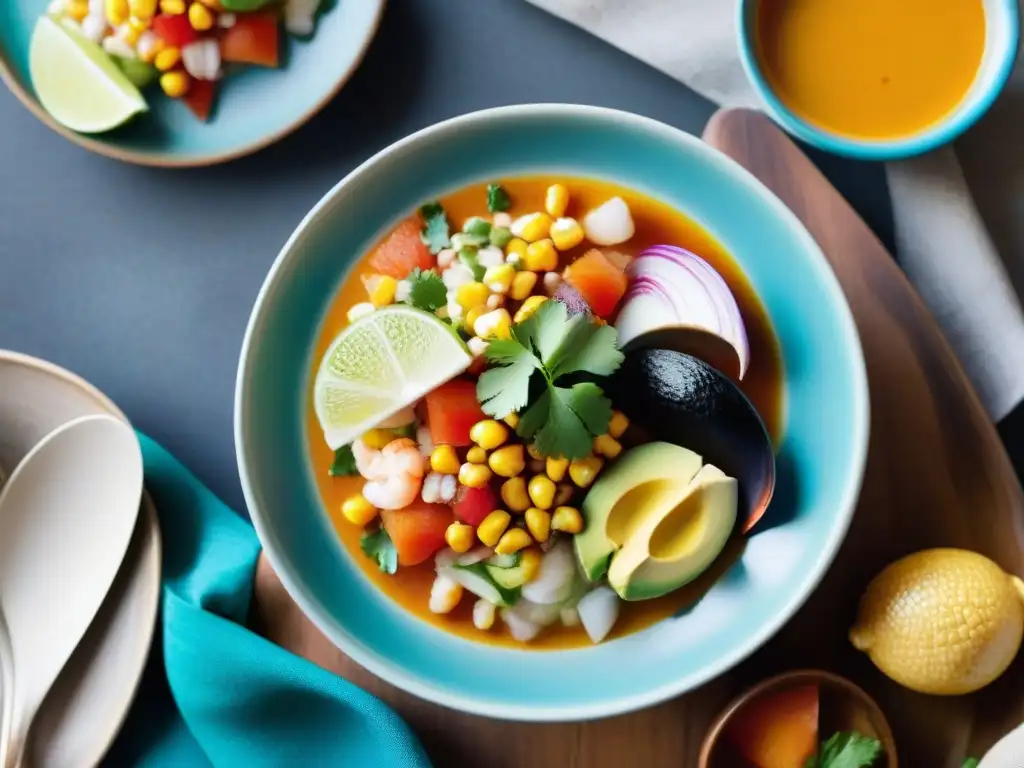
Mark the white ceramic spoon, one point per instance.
(66, 516)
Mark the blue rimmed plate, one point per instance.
(826, 423)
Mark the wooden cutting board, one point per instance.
(937, 475)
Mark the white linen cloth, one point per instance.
(941, 242)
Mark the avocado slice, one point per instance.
(619, 502)
(678, 541)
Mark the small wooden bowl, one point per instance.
(854, 710)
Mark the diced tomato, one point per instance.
(778, 730)
(472, 505)
(402, 251)
(417, 530)
(452, 409)
(598, 280)
(252, 39)
(174, 30)
(200, 98)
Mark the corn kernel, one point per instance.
(129, 33)
(539, 523)
(168, 58)
(556, 200)
(514, 495)
(473, 315)
(376, 439)
(496, 324)
(522, 285)
(175, 84)
(556, 468)
(534, 452)
(508, 461)
(528, 308)
(444, 461)
(499, 279)
(563, 494)
(488, 434)
(542, 491)
(493, 526)
(532, 227)
(515, 251)
(583, 471)
(476, 455)
(445, 594)
(474, 475)
(357, 510)
(460, 537)
(552, 281)
(512, 541)
(199, 17)
(512, 420)
(143, 10)
(173, 7)
(618, 425)
(541, 256)
(607, 446)
(383, 292)
(567, 519)
(116, 12)
(484, 612)
(77, 9)
(566, 233)
(358, 311)
(471, 295)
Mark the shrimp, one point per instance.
(394, 474)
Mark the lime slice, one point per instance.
(77, 82)
(379, 365)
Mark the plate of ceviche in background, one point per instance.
(180, 82)
(562, 407)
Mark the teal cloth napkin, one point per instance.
(215, 693)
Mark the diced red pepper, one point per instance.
(417, 531)
(402, 251)
(452, 409)
(472, 505)
(253, 39)
(599, 281)
(200, 98)
(174, 30)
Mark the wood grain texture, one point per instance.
(937, 475)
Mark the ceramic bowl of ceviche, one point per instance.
(180, 82)
(550, 412)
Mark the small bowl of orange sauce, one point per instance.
(878, 79)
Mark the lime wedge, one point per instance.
(77, 82)
(379, 365)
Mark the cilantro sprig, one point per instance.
(847, 749)
(426, 290)
(561, 420)
(344, 464)
(498, 199)
(435, 234)
(377, 545)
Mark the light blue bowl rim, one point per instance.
(942, 133)
(859, 408)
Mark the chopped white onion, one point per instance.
(570, 617)
(226, 20)
(94, 26)
(445, 258)
(537, 613)
(425, 440)
(672, 288)
(400, 418)
(522, 630)
(475, 555)
(598, 611)
(431, 491)
(448, 487)
(610, 223)
(490, 256)
(300, 16)
(553, 582)
(116, 46)
(446, 558)
(502, 219)
(483, 614)
(201, 59)
(477, 346)
(445, 593)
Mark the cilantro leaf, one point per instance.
(344, 464)
(426, 290)
(544, 330)
(378, 546)
(970, 762)
(586, 347)
(505, 387)
(469, 257)
(435, 227)
(535, 416)
(497, 199)
(564, 433)
(588, 402)
(846, 750)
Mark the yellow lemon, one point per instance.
(941, 621)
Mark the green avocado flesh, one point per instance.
(677, 542)
(655, 521)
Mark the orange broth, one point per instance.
(655, 223)
(873, 69)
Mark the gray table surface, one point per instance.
(142, 280)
